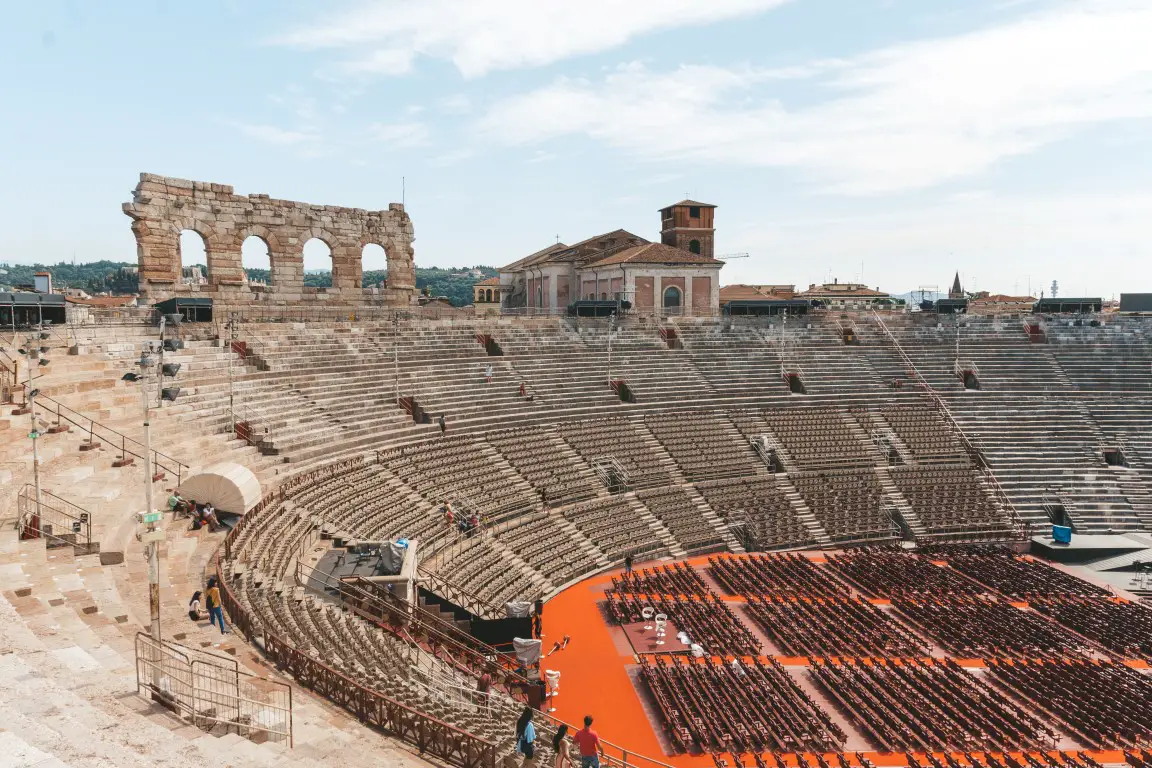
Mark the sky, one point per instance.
(892, 142)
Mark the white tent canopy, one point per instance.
(229, 486)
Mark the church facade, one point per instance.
(678, 275)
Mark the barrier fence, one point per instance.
(212, 691)
(428, 734)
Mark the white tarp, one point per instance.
(527, 651)
(229, 486)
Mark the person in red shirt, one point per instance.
(589, 743)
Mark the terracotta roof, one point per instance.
(490, 281)
(532, 258)
(1002, 299)
(821, 291)
(102, 301)
(755, 292)
(654, 253)
(689, 202)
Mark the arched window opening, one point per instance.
(604, 296)
(694, 246)
(671, 297)
(373, 265)
(488, 295)
(193, 258)
(256, 260)
(317, 264)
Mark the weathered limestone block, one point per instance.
(163, 206)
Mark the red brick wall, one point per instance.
(588, 289)
(701, 295)
(672, 281)
(617, 287)
(562, 298)
(644, 293)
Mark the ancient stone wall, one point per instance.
(162, 207)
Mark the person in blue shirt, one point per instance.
(526, 734)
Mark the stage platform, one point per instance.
(600, 676)
(1086, 547)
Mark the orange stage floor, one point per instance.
(595, 679)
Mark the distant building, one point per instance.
(42, 282)
(486, 295)
(678, 275)
(956, 291)
(755, 292)
(837, 295)
(998, 304)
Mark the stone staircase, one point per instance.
(896, 498)
(675, 549)
(804, 514)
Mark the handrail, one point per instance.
(63, 412)
(428, 733)
(477, 606)
(467, 750)
(934, 397)
(479, 651)
(66, 512)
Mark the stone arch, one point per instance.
(338, 264)
(178, 227)
(694, 246)
(281, 267)
(672, 298)
(488, 295)
(368, 250)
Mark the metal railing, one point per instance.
(1020, 526)
(457, 595)
(428, 734)
(97, 431)
(211, 691)
(420, 627)
(53, 518)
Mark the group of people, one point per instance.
(211, 602)
(465, 524)
(587, 741)
(201, 514)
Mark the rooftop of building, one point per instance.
(656, 253)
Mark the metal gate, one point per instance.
(212, 692)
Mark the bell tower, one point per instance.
(688, 225)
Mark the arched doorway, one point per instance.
(193, 258)
(672, 298)
(256, 259)
(317, 263)
(373, 265)
(694, 246)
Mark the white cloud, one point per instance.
(271, 134)
(409, 134)
(455, 157)
(901, 117)
(480, 36)
(458, 104)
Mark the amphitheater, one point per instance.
(840, 563)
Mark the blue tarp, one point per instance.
(1061, 534)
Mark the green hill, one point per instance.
(101, 276)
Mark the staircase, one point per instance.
(804, 514)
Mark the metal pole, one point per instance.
(154, 546)
(160, 370)
(231, 394)
(611, 324)
(34, 434)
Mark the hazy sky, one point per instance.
(1009, 139)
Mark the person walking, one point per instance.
(215, 610)
(488, 374)
(443, 425)
(628, 564)
(526, 734)
(590, 747)
(560, 747)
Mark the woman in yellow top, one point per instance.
(215, 611)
